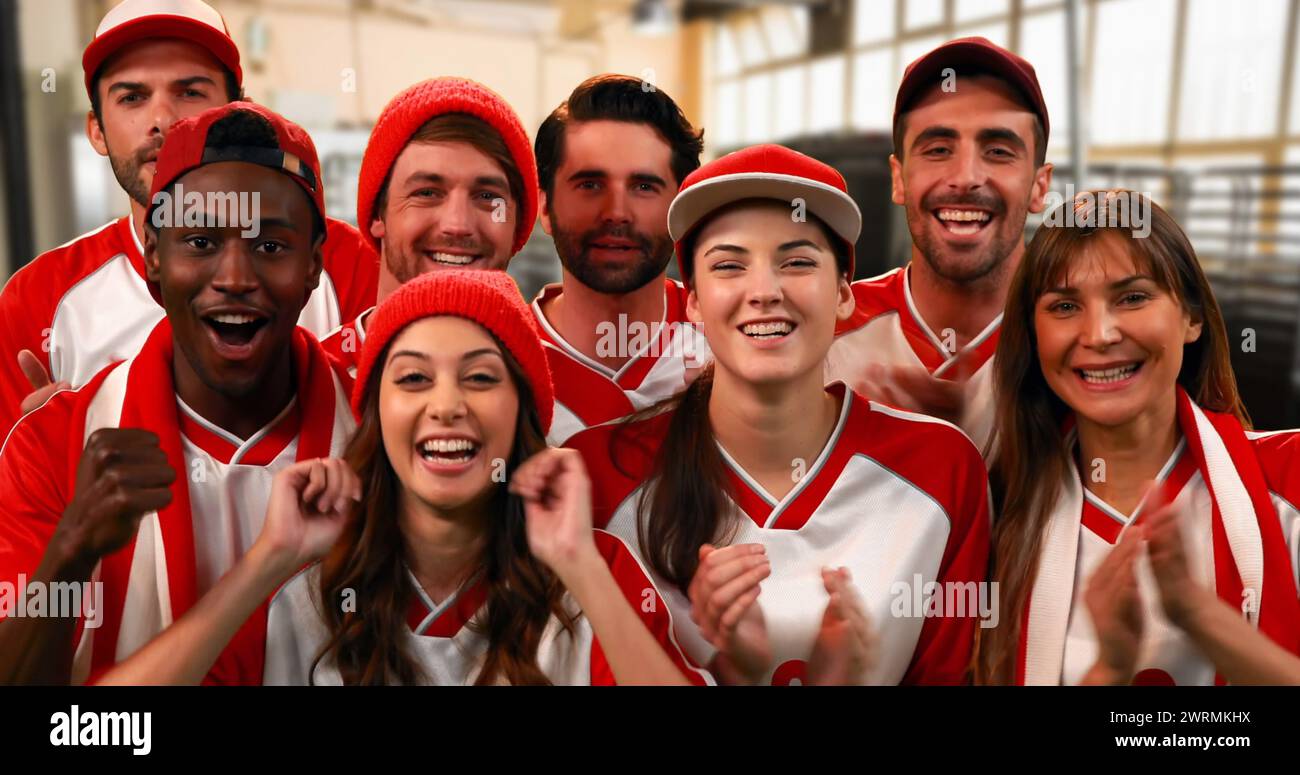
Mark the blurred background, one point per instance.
(1195, 101)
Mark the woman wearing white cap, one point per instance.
(788, 522)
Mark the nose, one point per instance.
(455, 217)
(446, 401)
(162, 114)
(966, 171)
(1100, 330)
(615, 206)
(764, 286)
(235, 274)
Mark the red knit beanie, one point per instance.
(489, 298)
(414, 107)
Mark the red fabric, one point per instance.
(489, 298)
(353, 267)
(414, 107)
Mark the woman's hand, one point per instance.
(557, 509)
(1180, 595)
(1116, 609)
(723, 594)
(309, 504)
(846, 647)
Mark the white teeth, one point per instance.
(963, 215)
(447, 445)
(775, 328)
(234, 320)
(451, 258)
(1103, 376)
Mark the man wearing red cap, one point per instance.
(153, 477)
(970, 137)
(83, 305)
(448, 181)
(610, 160)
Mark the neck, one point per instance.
(137, 220)
(769, 430)
(387, 282)
(1132, 453)
(243, 415)
(965, 308)
(578, 312)
(443, 548)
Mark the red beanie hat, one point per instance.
(764, 172)
(489, 298)
(411, 109)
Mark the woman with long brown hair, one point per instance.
(781, 515)
(1112, 372)
(441, 573)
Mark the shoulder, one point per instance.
(873, 297)
(619, 457)
(48, 276)
(1278, 453)
(54, 423)
(344, 241)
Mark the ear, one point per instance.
(845, 302)
(95, 133)
(377, 229)
(896, 191)
(1193, 331)
(151, 268)
(693, 308)
(1042, 184)
(317, 265)
(544, 212)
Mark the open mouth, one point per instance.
(448, 452)
(1110, 375)
(452, 259)
(962, 221)
(234, 333)
(768, 329)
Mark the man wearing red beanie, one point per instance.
(448, 181)
(610, 160)
(84, 305)
(153, 478)
(970, 139)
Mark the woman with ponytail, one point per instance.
(1113, 372)
(434, 569)
(783, 518)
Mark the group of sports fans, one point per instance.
(309, 453)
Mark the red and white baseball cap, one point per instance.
(135, 20)
(764, 172)
(966, 55)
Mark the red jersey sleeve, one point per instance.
(641, 594)
(25, 319)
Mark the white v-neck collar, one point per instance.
(436, 610)
(779, 506)
(1116, 514)
(950, 358)
(578, 355)
(242, 447)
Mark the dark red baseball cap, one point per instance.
(135, 20)
(971, 54)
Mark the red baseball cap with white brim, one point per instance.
(136, 20)
(764, 172)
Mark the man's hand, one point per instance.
(42, 386)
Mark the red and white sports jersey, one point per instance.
(899, 498)
(887, 329)
(443, 639)
(84, 305)
(1259, 542)
(589, 393)
(218, 500)
(343, 344)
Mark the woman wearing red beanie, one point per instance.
(439, 572)
(787, 521)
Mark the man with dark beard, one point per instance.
(970, 139)
(610, 160)
(81, 306)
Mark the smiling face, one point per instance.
(768, 292)
(1110, 339)
(967, 177)
(448, 408)
(448, 206)
(234, 301)
(142, 92)
(608, 210)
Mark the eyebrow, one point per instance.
(1000, 134)
(1117, 285)
(181, 83)
(433, 177)
(469, 356)
(935, 133)
(726, 248)
(636, 177)
(799, 243)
